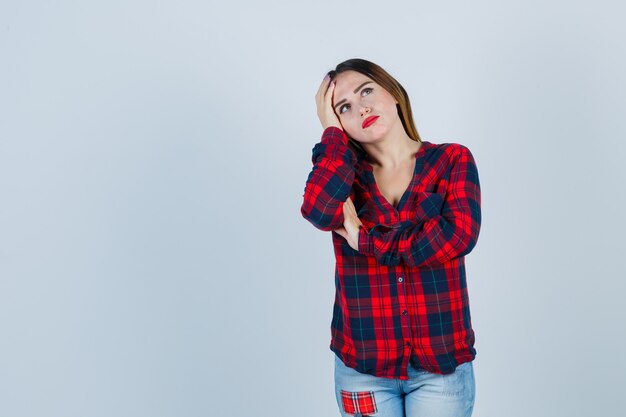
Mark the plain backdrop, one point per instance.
(153, 157)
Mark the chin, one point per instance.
(373, 135)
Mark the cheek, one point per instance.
(349, 122)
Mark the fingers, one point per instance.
(329, 96)
(321, 91)
(325, 92)
(326, 96)
(324, 103)
(351, 225)
(349, 205)
(349, 211)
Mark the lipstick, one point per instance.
(369, 121)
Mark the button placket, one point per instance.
(404, 315)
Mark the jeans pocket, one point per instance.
(457, 383)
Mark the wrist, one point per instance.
(333, 134)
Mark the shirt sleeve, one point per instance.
(330, 182)
(450, 230)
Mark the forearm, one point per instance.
(330, 181)
(447, 225)
(429, 243)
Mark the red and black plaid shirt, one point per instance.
(403, 295)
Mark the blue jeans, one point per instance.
(425, 394)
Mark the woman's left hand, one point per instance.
(351, 224)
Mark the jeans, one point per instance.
(425, 394)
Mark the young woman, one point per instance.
(404, 213)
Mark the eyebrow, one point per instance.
(355, 90)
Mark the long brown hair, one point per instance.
(393, 87)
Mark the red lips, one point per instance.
(369, 121)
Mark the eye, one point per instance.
(347, 106)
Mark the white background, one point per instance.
(153, 156)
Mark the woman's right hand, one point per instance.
(324, 102)
(351, 225)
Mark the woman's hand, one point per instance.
(351, 225)
(324, 103)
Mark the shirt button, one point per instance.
(408, 344)
(400, 279)
(404, 312)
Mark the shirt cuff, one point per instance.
(332, 134)
(366, 245)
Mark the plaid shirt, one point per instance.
(403, 295)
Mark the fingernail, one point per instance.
(327, 77)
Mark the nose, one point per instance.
(364, 110)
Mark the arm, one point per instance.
(448, 230)
(330, 182)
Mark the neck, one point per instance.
(392, 151)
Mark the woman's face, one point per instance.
(356, 99)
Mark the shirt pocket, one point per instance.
(428, 205)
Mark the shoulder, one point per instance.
(453, 147)
(449, 155)
(452, 150)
